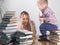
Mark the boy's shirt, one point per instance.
(49, 16)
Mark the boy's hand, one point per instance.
(41, 19)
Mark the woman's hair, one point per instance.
(24, 13)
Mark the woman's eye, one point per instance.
(27, 18)
(23, 18)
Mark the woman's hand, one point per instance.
(20, 25)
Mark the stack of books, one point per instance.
(9, 21)
(27, 39)
(55, 37)
(9, 17)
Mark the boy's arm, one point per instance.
(49, 16)
(41, 19)
(46, 19)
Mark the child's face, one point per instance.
(42, 6)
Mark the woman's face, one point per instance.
(25, 19)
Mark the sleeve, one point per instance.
(48, 16)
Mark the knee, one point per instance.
(55, 27)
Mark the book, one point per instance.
(8, 28)
(29, 36)
(55, 37)
(9, 31)
(26, 31)
(7, 25)
(56, 32)
(27, 42)
(9, 22)
(8, 13)
(14, 30)
(9, 19)
(10, 25)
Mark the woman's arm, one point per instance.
(20, 26)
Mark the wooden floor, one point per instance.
(45, 43)
(41, 43)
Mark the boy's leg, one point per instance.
(51, 27)
(43, 30)
(46, 26)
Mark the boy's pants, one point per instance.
(47, 26)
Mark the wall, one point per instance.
(31, 7)
(1, 2)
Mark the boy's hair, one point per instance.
(24, 13)
(43, 1)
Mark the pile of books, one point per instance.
(27, 39)
(55, 37)
(9, 21)
(9, 17)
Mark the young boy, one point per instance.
(48, 19)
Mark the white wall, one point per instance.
(1, 2)
(31, 7)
